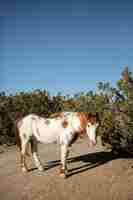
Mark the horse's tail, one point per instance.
(18, 123)
(17, 131)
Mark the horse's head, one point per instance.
(92, 124)
(89, 124)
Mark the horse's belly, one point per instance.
(48, 136)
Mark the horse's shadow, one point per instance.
(90, 160)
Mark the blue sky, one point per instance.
(64, 46)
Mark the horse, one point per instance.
(63, 128)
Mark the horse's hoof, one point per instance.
(41, 169)
(63, 175)
(24, 170)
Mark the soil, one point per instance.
(93, 174)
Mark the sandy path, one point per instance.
(93, 175)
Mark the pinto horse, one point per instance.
(62, 127)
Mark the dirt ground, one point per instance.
(93, 175)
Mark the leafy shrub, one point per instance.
(117, 122)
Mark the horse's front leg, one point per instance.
(34, 150)
(64, 154)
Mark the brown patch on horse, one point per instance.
(47, 122)
(17, 133)
(64, 124)
(93, 118)
(62, 171)
(33, 118)
(83, 120)
(57, 115)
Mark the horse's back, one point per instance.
(48, 130)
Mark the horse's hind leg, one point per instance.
(34, 151)
(23, 154)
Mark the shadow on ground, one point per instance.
(90, 160)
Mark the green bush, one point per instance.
(117, 121)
